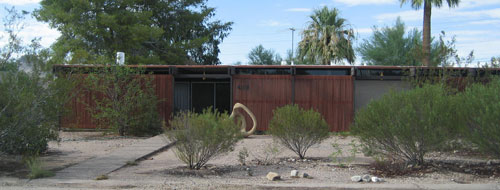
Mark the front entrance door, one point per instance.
(196, 96)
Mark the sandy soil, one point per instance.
(228, 170)
(165, 171)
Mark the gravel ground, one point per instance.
(227, 169)
(165, 171)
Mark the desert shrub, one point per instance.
(242, 156)
(406, 125)
(298, 129)
(202, 136)
(480, 108)
(269, 154)
(31, 97)
(125, 101)
(342, 157)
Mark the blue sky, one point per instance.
(475, 23)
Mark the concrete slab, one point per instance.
(113, 161)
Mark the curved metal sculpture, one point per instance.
(236, 113)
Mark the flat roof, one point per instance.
(224, 71)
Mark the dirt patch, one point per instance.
(12, 166)
(484, 169)
(209, 170)
(319, 165)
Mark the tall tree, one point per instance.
(261, 56)
(394, 46)
(149, 32)
(327, 38)
(416, 4)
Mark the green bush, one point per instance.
(32, 98)
(480, 109)
(406, 125)
(298, 129)
(201, 137)
(128, 104)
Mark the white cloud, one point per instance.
(365, 2)
(19, 2)
(484, 22)
(405, 15)
(469, 32)
(466, 4)
(274, 23)
(34, 29)
(415, 15)
(365, 30)
(299, 10)
(483, 49)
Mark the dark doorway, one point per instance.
(198, 95)
(202, 96)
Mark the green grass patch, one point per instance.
(102, 177)
(132, 163)
(36, 170)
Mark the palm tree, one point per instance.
(416, 4)
(327, 38)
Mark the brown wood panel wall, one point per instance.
(165, 91)
(332, 96)
(79, 116)
(262, 94)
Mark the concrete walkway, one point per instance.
(115, 160)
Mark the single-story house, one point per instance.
(337, 92)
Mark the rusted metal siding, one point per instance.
(332, 96)
(164, 92)
(262, 94)
(79, 116)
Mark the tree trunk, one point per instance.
(426, 45)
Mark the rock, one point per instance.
(376, 179)
(293, 160)
(488, 162)
(304, 175)
(305, 160)
(366, 178)
(271, 176)
(356, 178)
(294, 173)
